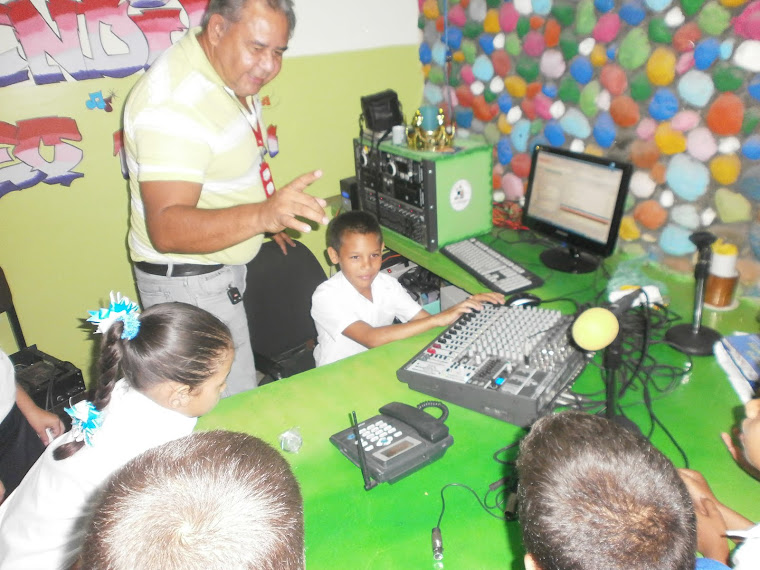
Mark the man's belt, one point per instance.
(177, 269)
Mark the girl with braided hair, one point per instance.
(159, 371)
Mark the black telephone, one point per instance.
(395, 443)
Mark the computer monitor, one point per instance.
(576, 199)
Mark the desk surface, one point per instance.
(389, 527)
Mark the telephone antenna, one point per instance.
(368, 482)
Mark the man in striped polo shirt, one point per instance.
(194, 141)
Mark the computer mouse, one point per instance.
(523, 300)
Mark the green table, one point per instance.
(390, 526)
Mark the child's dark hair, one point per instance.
(354, 221)
(595, 496)
(176, 341)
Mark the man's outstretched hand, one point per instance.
(290, 202)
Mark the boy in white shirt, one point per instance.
(354, 309)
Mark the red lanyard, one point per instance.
(266, 175)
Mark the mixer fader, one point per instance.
(506, 362)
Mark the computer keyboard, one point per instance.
(491, 267)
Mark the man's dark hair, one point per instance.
(594, 496)
(354, 221)
(208, 501)
(230, 10)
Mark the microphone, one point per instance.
(598, 327)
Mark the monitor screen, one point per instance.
(576, 199)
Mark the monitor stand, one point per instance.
(569, 260)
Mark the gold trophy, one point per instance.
(428, 130)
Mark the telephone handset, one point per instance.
(397, 442)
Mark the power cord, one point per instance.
(500, 501)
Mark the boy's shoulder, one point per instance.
(335, 283)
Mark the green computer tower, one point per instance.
(433, 198)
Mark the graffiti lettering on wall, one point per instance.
(31, 142)
(65, 40)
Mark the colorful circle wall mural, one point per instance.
(670, 86)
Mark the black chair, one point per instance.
(278, 304)
(6, 306)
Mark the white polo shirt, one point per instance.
(747, 555)
(336, 304)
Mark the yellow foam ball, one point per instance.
(595, 328)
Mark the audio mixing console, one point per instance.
(506, 362)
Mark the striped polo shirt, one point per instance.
(182, 123)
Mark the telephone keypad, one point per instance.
(379, 433)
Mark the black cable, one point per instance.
(644, 346)
(642, 328)
(525, 236)
(470, 489)
(558, 299)
(435, 404)
(500, 498)
(656, 421)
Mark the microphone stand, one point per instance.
(612, 360)
(693, 338)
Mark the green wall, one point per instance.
(64, 248)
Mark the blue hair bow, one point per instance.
(85, 420)
(120, 309)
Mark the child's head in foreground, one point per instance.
(594, 496)
(355, 242)
(208, 501)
